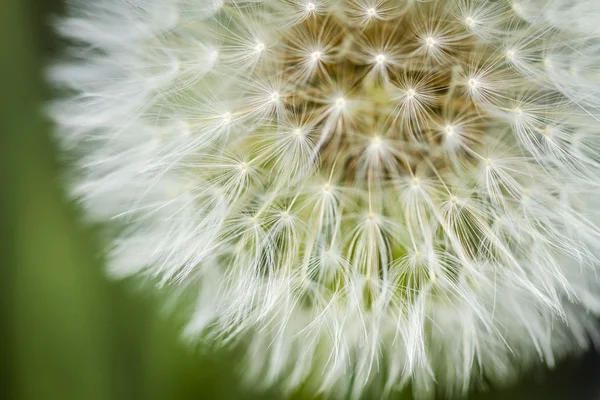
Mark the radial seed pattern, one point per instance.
(375, 193)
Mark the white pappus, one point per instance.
(370, 193)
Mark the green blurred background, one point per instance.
(67, 332)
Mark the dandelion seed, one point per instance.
(362, 195)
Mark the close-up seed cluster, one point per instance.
(363, 194)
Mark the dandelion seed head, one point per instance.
(361, 194)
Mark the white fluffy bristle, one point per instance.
(374, 193)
